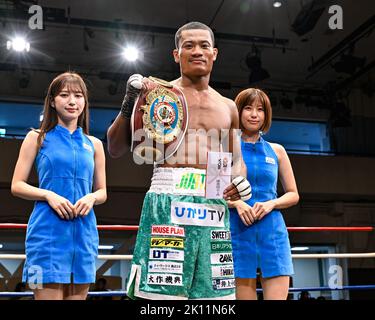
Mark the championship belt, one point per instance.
(159, 121)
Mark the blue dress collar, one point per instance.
(65, 131)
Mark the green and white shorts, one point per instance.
(183, 248)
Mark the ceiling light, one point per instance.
(131, 54)
(18, 44)
(277, 4)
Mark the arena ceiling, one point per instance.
(293, 42)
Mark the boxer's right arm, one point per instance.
(119, 137)
(119, 133)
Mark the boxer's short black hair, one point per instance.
(193, 26)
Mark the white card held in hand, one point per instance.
(219, 169)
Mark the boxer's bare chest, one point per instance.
(207, 111)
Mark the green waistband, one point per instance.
(192, 181)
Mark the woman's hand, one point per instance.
(263, 208)
(83, 206)
(245, 212)
(62, 206)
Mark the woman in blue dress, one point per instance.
(259, 236)
(62, 237)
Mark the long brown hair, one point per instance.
(247, 97)
(74, 82)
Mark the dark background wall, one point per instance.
(315, 74)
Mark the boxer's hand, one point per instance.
(133, 89)
(239, 189)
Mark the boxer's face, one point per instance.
(196, 53)
(252, 117)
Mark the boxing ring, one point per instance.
(121, 293)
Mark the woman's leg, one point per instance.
(50, 291)
(76, 291)
(275, 288)
(246, 289)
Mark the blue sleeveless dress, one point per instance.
(265, 244)
(57, 250)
